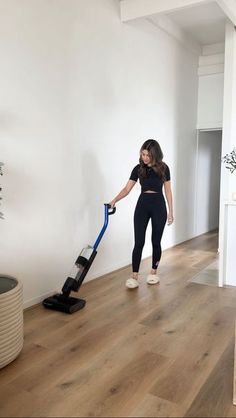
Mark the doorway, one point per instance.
(208, 172)
(207, 192)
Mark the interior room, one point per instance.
(83, 84)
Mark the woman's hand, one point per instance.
(112, 203)
(170, 219)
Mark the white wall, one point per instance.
(229, 250)
(35, 144)
(80, 93)
(211, 87)
(208, 181)
(228, 180)
(210, 101)
(209, 117)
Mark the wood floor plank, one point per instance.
(31, 355)
(152, 406)
(118, 394)
(179, 330)
(75, 351)
(15, 403)
(192, 367)
(215, 397)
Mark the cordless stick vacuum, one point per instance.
(63, 301)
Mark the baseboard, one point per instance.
(38, 299)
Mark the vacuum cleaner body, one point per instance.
(63, 301)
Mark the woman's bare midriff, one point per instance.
(150, 191)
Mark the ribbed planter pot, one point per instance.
(11, 319)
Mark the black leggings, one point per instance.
(149, 206)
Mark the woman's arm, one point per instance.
(168, 195)
(123, 193)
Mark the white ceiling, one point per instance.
(205, 23)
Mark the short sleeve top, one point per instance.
(152, 181)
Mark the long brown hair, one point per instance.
(156, 157)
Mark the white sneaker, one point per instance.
(132, 283)
(152, 279)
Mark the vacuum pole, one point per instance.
(106, 214)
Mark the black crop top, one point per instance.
(152, 181)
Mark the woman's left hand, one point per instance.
(170, 219)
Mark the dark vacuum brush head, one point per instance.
(63, 303)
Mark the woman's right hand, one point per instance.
(170, 219)
(112, 203)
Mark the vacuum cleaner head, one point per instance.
(62, 303)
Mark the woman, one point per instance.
(152, 173)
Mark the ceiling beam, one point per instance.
(229, 8)
(166, 24)
(134, 9)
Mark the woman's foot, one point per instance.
(132, 283)
(153, 278)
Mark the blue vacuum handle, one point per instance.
(112, 211)
(107, 211)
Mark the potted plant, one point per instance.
(230, 164)
(11, 314)
(230, 160)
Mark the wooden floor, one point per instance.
(156, 351)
